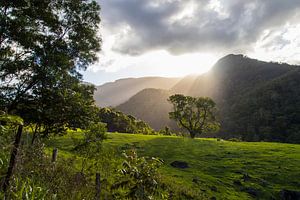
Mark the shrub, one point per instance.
(139, 178)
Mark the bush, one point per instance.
(165, 131)
(139, 178)
(119, 122)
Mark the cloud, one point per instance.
(186, 26)
(280, 44)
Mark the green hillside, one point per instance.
(217, 168)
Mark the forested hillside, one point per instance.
(270, 112)
(241, 88)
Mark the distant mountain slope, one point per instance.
(115, 93)
(229, 83)
(184, 85)
(149, 105)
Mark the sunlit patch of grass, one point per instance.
(221, 169)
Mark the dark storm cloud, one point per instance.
(234, 25)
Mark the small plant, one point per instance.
(27, 190)
(93, 137)
(139, 178)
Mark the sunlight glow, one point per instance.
(195, 63)
(161, 63)
(157, 63)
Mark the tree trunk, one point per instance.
(98, 186)
(13, 158)
(192, 134)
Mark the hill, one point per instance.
(149, 105)
(115, 93)
(217, 169)
(232, 81)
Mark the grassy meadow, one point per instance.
(217, 169)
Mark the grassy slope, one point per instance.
(216, 164)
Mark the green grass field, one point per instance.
(220, 169)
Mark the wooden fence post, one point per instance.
(54, 154)
(98, 186)
(13, 158)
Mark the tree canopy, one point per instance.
(43, 47)
(197, 115)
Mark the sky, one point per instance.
(174, 38)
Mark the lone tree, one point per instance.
(197, 115)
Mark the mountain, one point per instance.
(184, 85)
(151, 106)
(234, 82)
(115, 93)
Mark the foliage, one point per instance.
(90, 145)
(10, 119)
(118, 122)
(68, 105)
(27, 190)
(270, 113)
(166, 131)
(197, 115)
(139, 178)
(95, 133)
(43, 45)
(35, 174)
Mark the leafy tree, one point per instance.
(197, 115)
(43, 45)
(69, 105)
